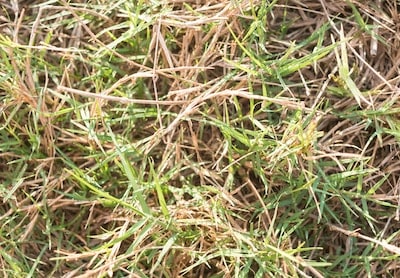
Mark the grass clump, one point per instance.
(199, 139)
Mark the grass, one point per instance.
(199, 139)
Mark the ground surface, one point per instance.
(240, 138)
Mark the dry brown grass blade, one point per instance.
(118, 99)
(387, 246)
